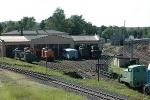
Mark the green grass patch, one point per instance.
(19, 87)
(25, 92)
(29, 66)
(116, 69)
(111, 85)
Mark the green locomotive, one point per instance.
(26, 55)
(135, 76)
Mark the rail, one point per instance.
(97, 95)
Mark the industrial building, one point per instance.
(55, 40)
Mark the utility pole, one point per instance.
(46, 65)
(98, 68)
(124, 39)
(124, 43)
(131, 47)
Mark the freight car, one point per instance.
(136, 77)
(26, 55)
(69, 53)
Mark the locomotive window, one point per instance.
(64, 51)
(144, 69)
(136, 70)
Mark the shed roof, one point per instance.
(14, 38)
(85, 38)
(19, 38)
(124, 57)
(29, 38)
(34, 32)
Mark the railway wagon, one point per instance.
(135, 76)
(69, 53)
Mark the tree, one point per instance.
(145, 32)
(57, 20)
(135, 33)
(108, 32)
(27, 23)
(10, 26)
(89, 28)
(1, 28)
(42, 25)
(77, 24)
(30, 23)
(148, 32)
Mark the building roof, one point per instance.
(85, 38)
(29, 38)
(14, 38)
(34, 37)
(37, 32)
(19, 38)
(124, 57)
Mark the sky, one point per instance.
(128, 13)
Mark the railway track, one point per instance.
(81, 67)
(84, 65)
(73, 86)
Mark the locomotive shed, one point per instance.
(56, 40)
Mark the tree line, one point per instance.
(75, 25)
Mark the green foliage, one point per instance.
(27, 23)
(75, 25)
(1, 28)
(108, 32)
(42, 24)
(10, 26)
(56, 21)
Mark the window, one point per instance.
(136, 70)
(64, 51)
(144, 69)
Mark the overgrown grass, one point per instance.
(111, 85)
(29, 66)
(116, 70)
(29, 90)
